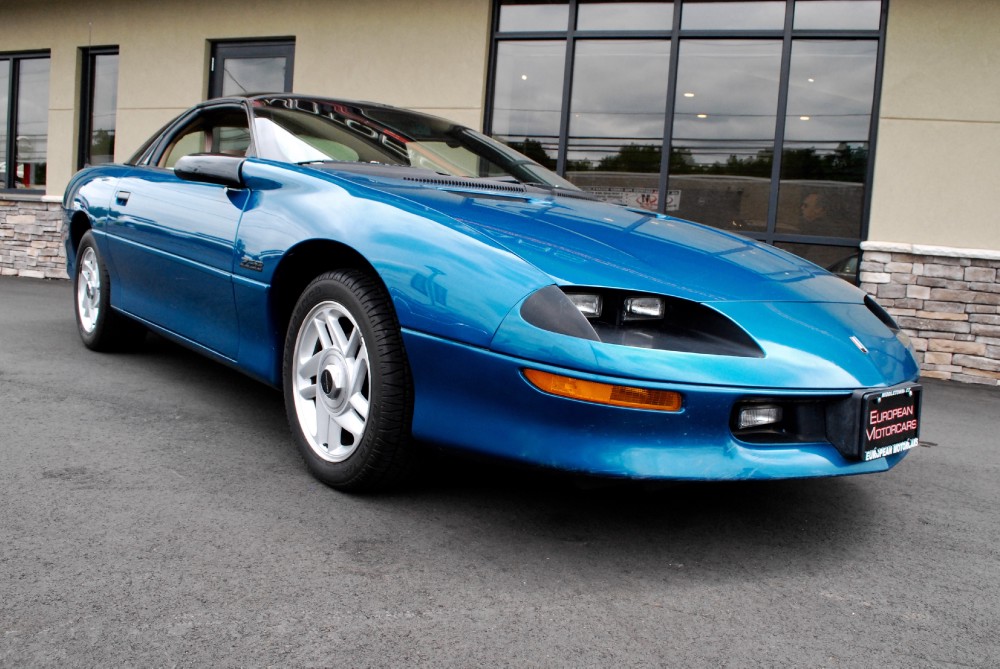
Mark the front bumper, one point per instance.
(472, 398)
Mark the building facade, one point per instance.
(860, 134)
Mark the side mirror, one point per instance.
(212, 168)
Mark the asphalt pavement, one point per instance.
(154, 513)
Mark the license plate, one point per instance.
(891, 421)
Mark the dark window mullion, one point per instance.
(668, 120)
(779, 122)
(9, 148)
(86, 108)
(567, 96)
(866, 206)
(491, 73)
(15, 76)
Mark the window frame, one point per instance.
(222, 50)
(787, 35)
(15, 58)
(87, 66)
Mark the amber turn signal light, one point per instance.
(604, 393)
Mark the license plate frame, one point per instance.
(890, 421)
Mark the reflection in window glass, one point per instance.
(723, 134)
(841, 260)
(599, 15)
(4, 106)
(527, 97)
(31, 147)
(533, 16)
(103, 109)
(732, 15)
(825, 158)
(253, 75)
(616, 119)
(837, 14)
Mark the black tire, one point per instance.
(101, 327)
(347, 386)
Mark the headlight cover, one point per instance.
(639, 320)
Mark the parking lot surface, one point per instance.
(154, 512)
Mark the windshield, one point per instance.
(317, 131)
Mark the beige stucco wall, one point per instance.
(937, 169)
(429, 55)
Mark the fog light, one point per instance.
(756, 416)
(589, 304)
(643, 308)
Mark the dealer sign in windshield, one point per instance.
(891, 422)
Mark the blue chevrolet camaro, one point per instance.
(404, 279)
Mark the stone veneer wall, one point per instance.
(30, 239)
(947, 300)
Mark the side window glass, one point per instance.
(184, 145)
(222, 131)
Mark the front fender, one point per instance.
(445, 278)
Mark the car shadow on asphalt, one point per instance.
(511, 502)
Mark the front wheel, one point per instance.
(347, 384)
(101, 328)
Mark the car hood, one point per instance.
(585, 242)
(814, 329)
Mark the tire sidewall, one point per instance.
(93, 338)
(339, 287)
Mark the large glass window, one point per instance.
(825, 157)
(748, 115)
(603, 15)
(239, 68)
(733, 15)
(615, 144)
(99, 106)
(723, 133)
(24, 121)
(527, 97)
(5, 78)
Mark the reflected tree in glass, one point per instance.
(827, 125)
(616, 119)
(723, 132)
(527, 97)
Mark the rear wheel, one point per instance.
(347, 384)
(101, 328)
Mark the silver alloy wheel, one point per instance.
(88, 291)
(332, 388)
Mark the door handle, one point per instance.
(122, 196)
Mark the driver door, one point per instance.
(173, 241)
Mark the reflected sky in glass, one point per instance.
(732, 15)
(727, 96)
(253, 75)
(619, 96)
(528, 91)
(105, 95)
(517, 17)
(33, 117)
(104, 100)
(598, 15)
(837, 14)
(830, 90)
